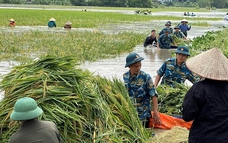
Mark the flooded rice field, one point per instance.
(114, 67)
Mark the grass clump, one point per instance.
(86, 108)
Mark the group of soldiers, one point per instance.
(165, 39)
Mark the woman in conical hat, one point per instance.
(12, 22)
(68, 25)
(52, 19)
(206, 102)
(51, 23)
(184, 27)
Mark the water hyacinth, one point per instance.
(86, 108)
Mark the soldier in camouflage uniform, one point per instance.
(178, 33)
(141, 90)
(165, 40)
(167, 26)
(174, 69)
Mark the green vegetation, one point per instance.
(82, 45)
(210, 40)
(86, 108)
(170, 99)
(30, 17)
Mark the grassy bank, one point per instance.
(31, 17)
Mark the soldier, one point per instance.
(167, 26)
(165, 40)
(141, 90)
(178, 33)
(174, 69)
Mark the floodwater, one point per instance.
(115, 67)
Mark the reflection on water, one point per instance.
(115, 67)
(5, 67)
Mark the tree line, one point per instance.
(127, 3)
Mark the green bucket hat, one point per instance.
(133, 58)
(168, 23)
(25, 109)
(176, 27)
(182, 50)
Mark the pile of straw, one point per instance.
(175, 135)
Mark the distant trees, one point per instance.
(128, 3)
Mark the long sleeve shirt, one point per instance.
(149, 40)
(206, 103)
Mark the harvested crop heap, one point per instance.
(86, 108)
(175, 135)
(170, 99)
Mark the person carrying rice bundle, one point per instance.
(141, 90)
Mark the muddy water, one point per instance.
(114, 67)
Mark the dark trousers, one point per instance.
(185, 33)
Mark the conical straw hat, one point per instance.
(184, 20)
(52, 19)
(68, 23)
(211, 64)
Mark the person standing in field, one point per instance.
(51, 23)
(151, 39)
(184, 28)
(174, 70)
(167, 26)
(141, 90)
(12, 23)
(178, 33)
(32, 130)
(165, 40)
(206, 102)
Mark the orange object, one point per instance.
(168, 122)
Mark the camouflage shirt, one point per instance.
(172, 73)
(165, 41)
(179, 34)
(140, 88)
(164, 29)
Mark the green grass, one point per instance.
(31, 17)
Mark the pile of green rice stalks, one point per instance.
(180, 41)
(86, 108)
(175, 135)
(170, 99)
